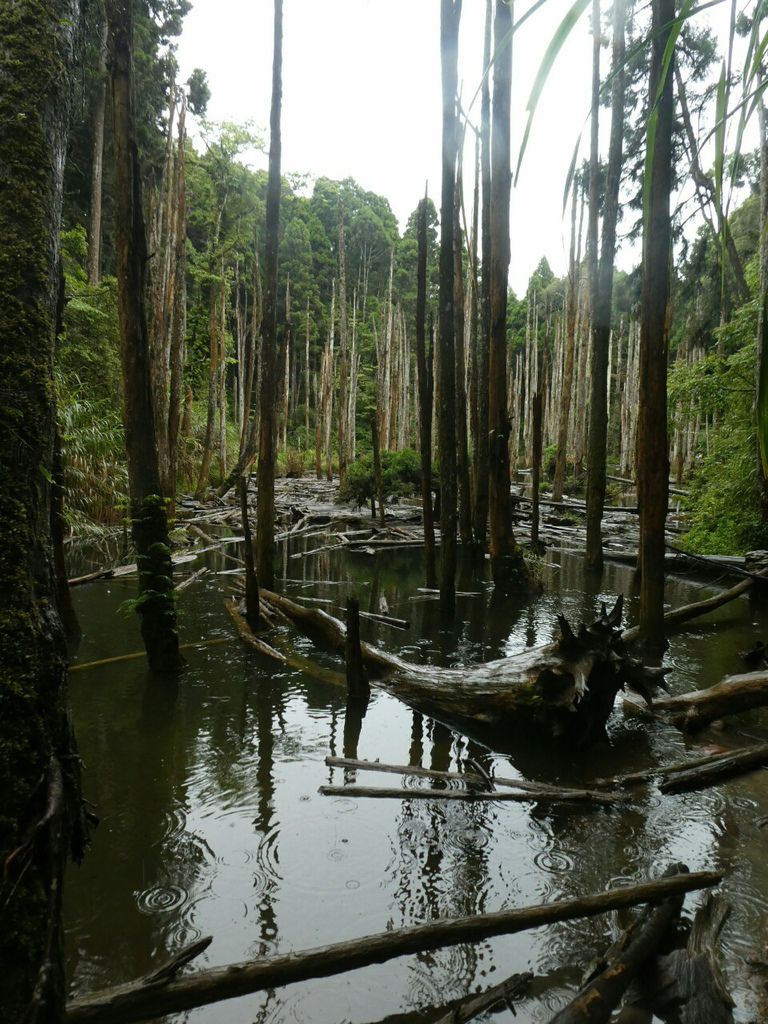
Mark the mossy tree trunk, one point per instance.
(149, 520)
(39, 780)
(265, 521)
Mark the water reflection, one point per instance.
(212, 824)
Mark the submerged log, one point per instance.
(145, 1000)
(565, 689)
(506, 992)
(474, 782)
(724, 766)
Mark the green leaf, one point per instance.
(555, 46)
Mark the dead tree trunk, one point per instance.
(652, 445)
(449, 50)
(156, 608)
(459, 320)
(265, 522)
(482, 455)
(343, 414)
(507, 565)
(425, 399)
(603, 300)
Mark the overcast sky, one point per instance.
(361, 98)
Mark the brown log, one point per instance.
(142, 1001)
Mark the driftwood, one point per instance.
(144, 1001)
(475, 782)
(135, 655)
(602, 993)
(565, 689)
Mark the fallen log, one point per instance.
(725, 766)
(602, 993)
(646, 775)
(692, 712)
(135, 655)
(686, 612)
(566, 689)
(145, 1000)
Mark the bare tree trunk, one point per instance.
(482, 455)
(462, 448)
(215, 301)
(449, 49)
(507, 564)
(328, 392)
(156, 608)
(178, 335)
(249, 441)
(652, 446)
(265, 522)
(602, 298)
(97, 161)
(425, 399)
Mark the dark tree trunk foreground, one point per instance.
(40, 811)
(149, 520)
(265, 517)
(652, 446)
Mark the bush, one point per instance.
(400, 471)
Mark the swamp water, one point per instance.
(211, 823)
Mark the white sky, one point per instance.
(361, 98)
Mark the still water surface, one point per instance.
(211, 823)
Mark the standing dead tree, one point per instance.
(149, 522)
(265, 521)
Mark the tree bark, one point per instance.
(507, 565)
(450, 17)
(39, 769)
(156, 608)
(652, 445)
(459, 321)
(179, 328)
(265, 522)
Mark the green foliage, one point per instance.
(400, 472)
(725, 495)
(95, 470)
